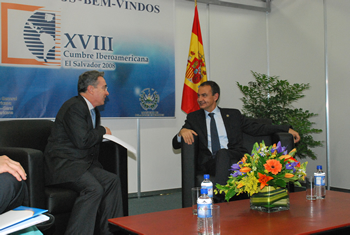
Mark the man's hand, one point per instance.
(12, 167)
(108, 131)
(295, 135)
(187, 135)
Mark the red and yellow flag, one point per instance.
(195, 72)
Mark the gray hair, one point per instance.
(88, 78)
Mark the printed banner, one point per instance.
(46, 45)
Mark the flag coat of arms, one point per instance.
(196, 71)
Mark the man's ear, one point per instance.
(216, 97)
(90, 89)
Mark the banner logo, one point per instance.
(40, 35)
(149, 99)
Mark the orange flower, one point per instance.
(244, 159)
(288, 175)
(245, 169)
(273, 166)
(285, 157)
(240, 185)
(263, 179)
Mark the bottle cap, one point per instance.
(206, 176)
(204, 191)
(319, 167)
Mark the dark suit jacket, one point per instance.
(73, 144)
(235, 123)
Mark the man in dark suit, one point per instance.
(230, 125)
(71, 158)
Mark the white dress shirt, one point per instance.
(219, 125)
(90, 106)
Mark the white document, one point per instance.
(25, 224)
(119, 141)
(18, 214)
(11, 217)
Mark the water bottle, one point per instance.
(320, 183)
(206, 183)
(204, 217)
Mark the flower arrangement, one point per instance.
(267, 165)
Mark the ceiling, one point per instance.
(256, 5)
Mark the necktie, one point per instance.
(93, 116)
(215, 143)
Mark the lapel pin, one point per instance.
(227, 115)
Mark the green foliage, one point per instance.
(269, 97)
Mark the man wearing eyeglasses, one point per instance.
(71, 158)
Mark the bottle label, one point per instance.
(204, 210)
(320, 179)
(210, 190)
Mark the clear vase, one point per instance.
(270, 199)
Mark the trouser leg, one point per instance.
(83, 215)
(99, 200)
(111, 204)
(224, 160)
(13, 193)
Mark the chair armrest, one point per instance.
(285, 138)
(189, 165)
(32, 161)
(114, 158)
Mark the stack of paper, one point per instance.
(119, 141)
(20, 218)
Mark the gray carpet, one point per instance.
(148, 204)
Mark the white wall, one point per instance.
(338, 37)
(296, 33)
(309, 43)
(237, 46)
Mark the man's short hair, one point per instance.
(215, 89)
(88, 78)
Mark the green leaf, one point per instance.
(281, 183)
(221, 187)
(230, 194)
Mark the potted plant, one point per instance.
(270, 97)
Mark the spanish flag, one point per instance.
(195, 71)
